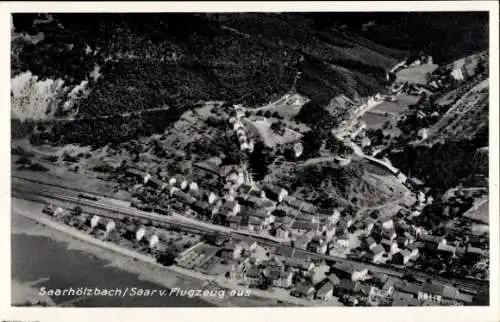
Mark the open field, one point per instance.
(416, 74)
(479, 212)
(384, 111)
(374, 120)
(401, 105)
(261, 127)
(287, 106)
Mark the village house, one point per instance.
(334, 279)
(231, 207)
(303, 240)
(133, 232)
(331, 218)
(107, 225)
(284, 280)
(193, 187)
(347, 287)
(317, 245)
(210, 197)
(94, 220)
(56, 212)
(180, 195)
(342, 240)
(138, 175)
(299, 265)
(156, 183)
(387, 223)
(369, 243)
(244, 190)
(329, 232)
(254, 224)
(448, 249)
(237, 273)
(202, 207)
(294, 202)
(346, 222)
(249, 247)
(476, 253)
(377, 252)
(265, 216)
(280, 211)
(432, 242)
(463, 299)
(408, 288)
(369, 223)
(325, 292)
(303, 290)
(285, 221)
(282, 232)
(258, 193)
(80, 221)
(390, 246)
(150, 239)
(177, 180)
(389, 234)
(411, 238)
(388, 286)
(413, 251)
(402, 257)
(279, 277)
(349, 271)
(300, 227)
(254, 276)
(48, 209)
(402, 241)
(231, 250)
(140, 232)
(403, 299)
(308, 208)
(172, 190)
(275, 193)
(235, 222)
(401, 227)
(253, 259)
(307, 217)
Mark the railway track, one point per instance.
(117, 212)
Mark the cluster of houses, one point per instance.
(104, 226)
(352, 283)
(355, 286)
(237, 124)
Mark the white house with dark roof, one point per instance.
(275, 193)
(377, 253)
(94, 220)
(232, 207)
(282, 232)
(390, 246)
(150, 239)
(107, 225)
(140, 232)
(402, 257)
(350, 271)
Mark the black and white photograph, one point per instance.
(250, 159)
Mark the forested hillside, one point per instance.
(94, 65)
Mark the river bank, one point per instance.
(25, 222)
